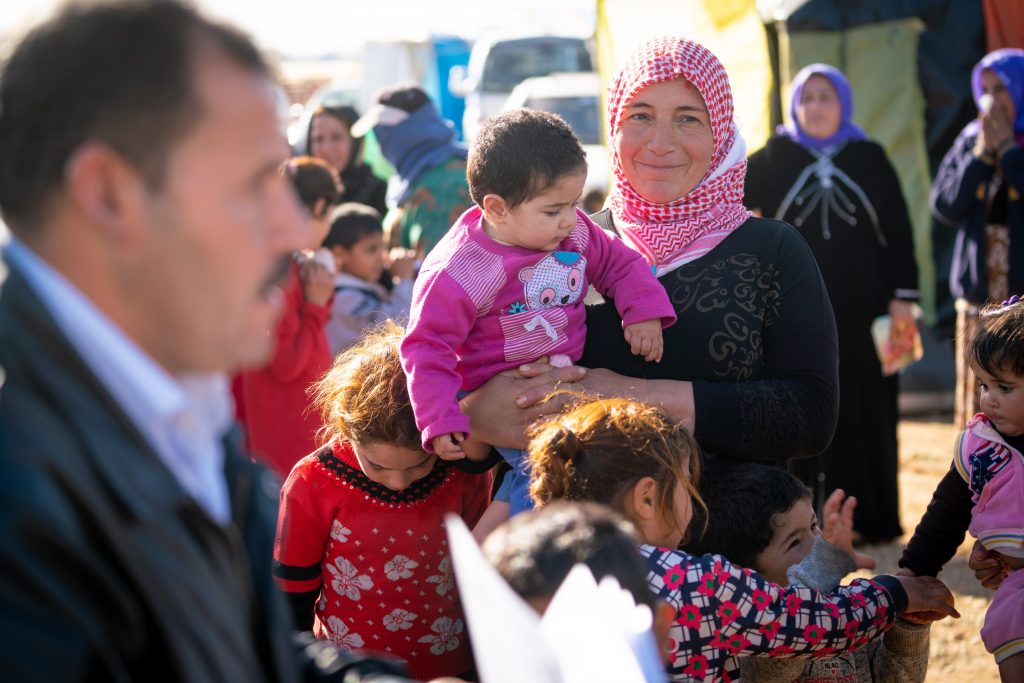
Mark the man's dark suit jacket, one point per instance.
(108, 569)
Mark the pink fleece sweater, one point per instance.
(480, 307)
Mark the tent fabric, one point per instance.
(1004, 23)
(952, 42)
(732, 29)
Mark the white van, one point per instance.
(576, 97)
(497, 65)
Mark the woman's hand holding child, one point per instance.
(928, 599)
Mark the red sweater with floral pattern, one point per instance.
(372, 564)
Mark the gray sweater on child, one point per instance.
(899, 656)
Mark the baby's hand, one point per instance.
(645, 339)
(838, 527)
(447, 447)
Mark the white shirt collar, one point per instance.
(184, 419)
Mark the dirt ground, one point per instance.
(957, 654)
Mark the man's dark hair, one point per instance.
(535, 550)
(742, 500)
(518, 154)
(351, 222)
(122, 73)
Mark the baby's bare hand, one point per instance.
(447, 446)
(645, 339)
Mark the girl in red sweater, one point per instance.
(275, 403)
(361, 548)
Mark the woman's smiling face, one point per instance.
(664, 141)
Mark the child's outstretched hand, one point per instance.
(645, 339)
(928, 599)
(923, 616)
(838, 527)
(449, 446)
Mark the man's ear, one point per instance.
(663, 617)
(495, 208)
(108, 190)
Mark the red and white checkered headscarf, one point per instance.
(687, 228)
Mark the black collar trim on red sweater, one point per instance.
(418, 490)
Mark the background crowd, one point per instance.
(164, 239)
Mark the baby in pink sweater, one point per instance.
(505, 286)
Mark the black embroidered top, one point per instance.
(755, 335)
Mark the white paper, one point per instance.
(590, 633)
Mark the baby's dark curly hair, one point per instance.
(519, 154)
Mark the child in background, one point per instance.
(278, 421)
(983, 492)
(505, 285)
(361, 549)
(762, 517)
(356, 240)
(641, 463)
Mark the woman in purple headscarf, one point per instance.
(821, 174)
(977, 191)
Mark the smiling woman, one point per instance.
(751, 365)
(664, 143)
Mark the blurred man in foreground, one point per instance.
(139, 155)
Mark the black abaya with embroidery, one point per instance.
(847, 203)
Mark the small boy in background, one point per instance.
(762, 517)
(361, 549)
(356, 240)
